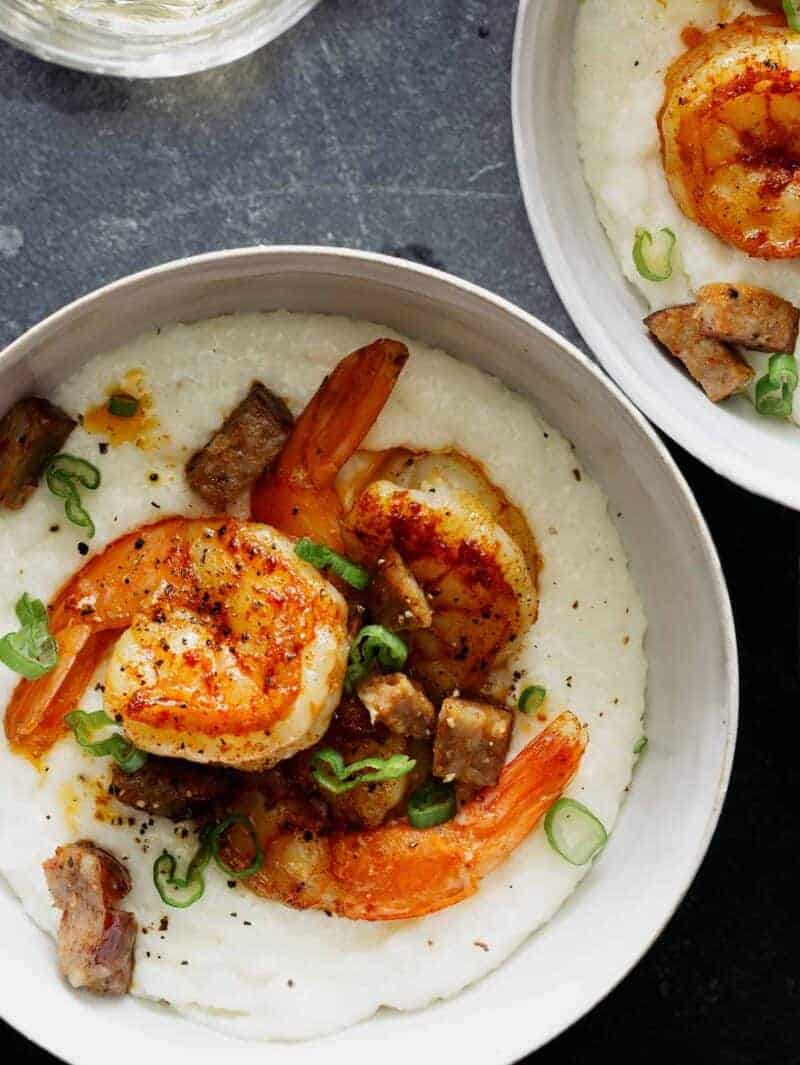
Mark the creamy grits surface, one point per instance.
(251, 967)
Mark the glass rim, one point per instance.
(205, 45)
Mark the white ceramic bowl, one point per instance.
(667, 821)
(758, 453)
(146, 38)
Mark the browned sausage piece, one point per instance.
(395, 598)
(746, 315)
(169, 787)
(95, 938)
(249, 439)
(471, 741)
(398, 703)
(31, 432)
(712, 363)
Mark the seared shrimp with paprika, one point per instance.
(397, 871)
(229, 648)
(468, 549)
(730, 135)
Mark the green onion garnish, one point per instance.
(374, 643)
(63, 475)
(258, 854)
(531, 698)
(792, 16)
(652, 256)
(432, 804)
(324, 558)
(330, 772)
(182, 891)
(574, 832)
(84, 725)
(775, 390)
(123, 405)
(640, 745)
(30, 651)
(76, 469)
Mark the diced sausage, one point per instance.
(249, 439)
(169, 787)
(399, 703)
(31, 432)
(471, 741)
(746, 315)
(395, 598)
(713, 364)
(95, 938)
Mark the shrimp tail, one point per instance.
(396, 871)
(35, 716)
(86, 617)
(402, 872)
(297, 494)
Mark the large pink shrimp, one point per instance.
(397, 871)
(297, 494)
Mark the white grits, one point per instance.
(622, 51)
(255, 968)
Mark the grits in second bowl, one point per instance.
(252, 966)
(629, 93)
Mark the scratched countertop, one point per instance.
(385, 125)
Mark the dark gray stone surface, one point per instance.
(381, 125)
(385, 125)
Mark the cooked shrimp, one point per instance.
(397, 871)
(230, 649)
(730, 135)
(476, 577)
(297, 494)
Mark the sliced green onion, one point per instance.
(640, 745)
(792, 16)
(219, 830)
(574, 832)
(75, 469)
(324, 558)
(31, 651)
(531, 698)
(775, 390)
(652, 256)
(374, 643)
(330, 772)
(123, 405)
(432, 804)
(78, 515)
(182, 891)
(63, 475)
(84, 725)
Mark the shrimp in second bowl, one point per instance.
(730, 135)
(229, 648)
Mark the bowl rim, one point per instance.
(747, 472)
(184, 56)
(22, 1021)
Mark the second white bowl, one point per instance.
(757, 453)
